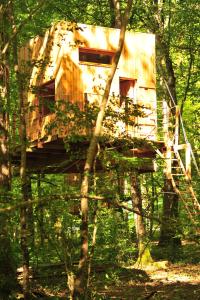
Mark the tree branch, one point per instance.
(68, 197)
(16, 29)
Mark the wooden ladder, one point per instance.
(177, 169)
(182, 181)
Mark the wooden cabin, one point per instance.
(71, 63)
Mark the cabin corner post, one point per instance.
(188, 160)
(167, 140)
(176, 131)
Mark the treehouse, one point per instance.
(67, 70)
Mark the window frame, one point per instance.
(43, 96)
(107, 54)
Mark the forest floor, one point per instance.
(176, 282)
(180, 280)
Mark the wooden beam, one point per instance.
(188, 160)
(176, 133)
(167, 140)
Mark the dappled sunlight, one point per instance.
(177, 273)
(175, 282)
(98, 37)
(4, 170)
(146, 59)
(3, 148)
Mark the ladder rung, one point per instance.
(178, 174)
(165, 158)
(185, 193)
(176, 167)
(190, 202)
(195, 213)
(168, 193)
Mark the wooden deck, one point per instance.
(52, 157)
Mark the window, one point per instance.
(126, 87)
(46, 97)
(95, 56)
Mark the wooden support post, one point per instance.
(126, 114)
(165, 120)
(167, 139)
(176, 132)
(85, 101)
(188, 160)
(86, 109)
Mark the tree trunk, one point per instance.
(115, 7)
(7, 268)
(169, 226)
(8, 280)
(25, 182)
(94, 234)
(80, 290)
(30, 215)
(156, 21)
(153, 196)
(40, 212)
(144, 255)
(168, 233)
(8, 31)
(25, 196)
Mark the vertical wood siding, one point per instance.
(56, 56)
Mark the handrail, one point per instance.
(183, 129)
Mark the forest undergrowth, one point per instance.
(178, 280)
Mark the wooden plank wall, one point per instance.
(59, 49)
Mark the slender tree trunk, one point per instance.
(153, 193)
(40, 212)
(25, 197)
(8, 280)
(169, 226)
(67, 245)
(115, 7)
(25, 183)
(156, 22)
(170, 220)
(81, 278)
(30, 215)
(7, 268)
(94, 234)
(168, 235)
(120, 183)
(144, 255)
(8, 32)
(170, 199)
